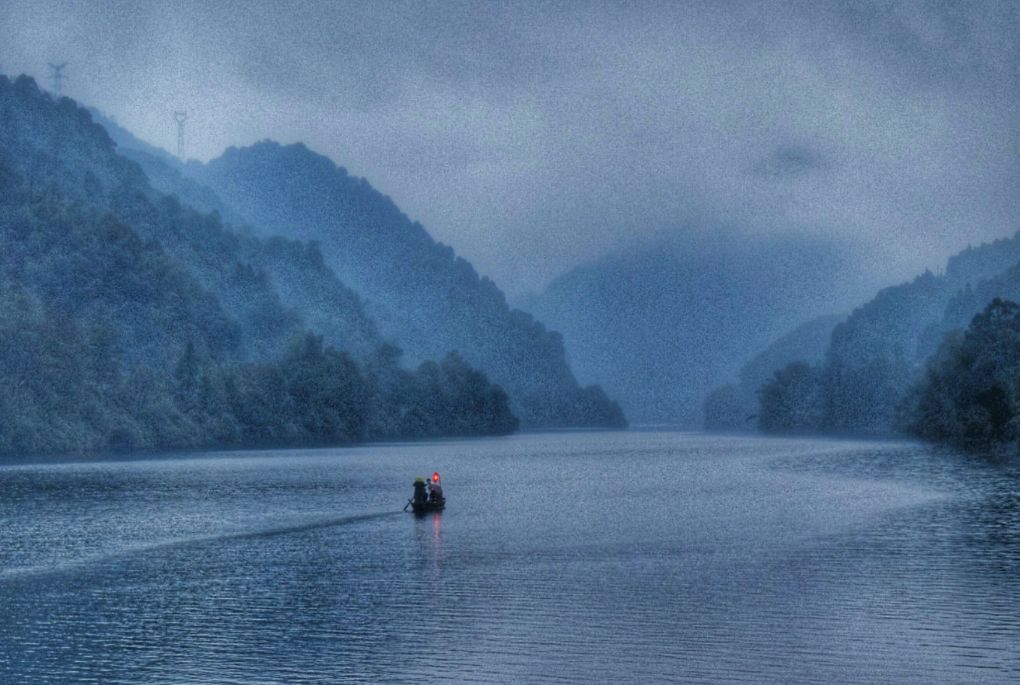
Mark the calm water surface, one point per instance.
(571, 557)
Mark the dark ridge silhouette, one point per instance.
(881, 351)
(131, 320)
(734, 406)
(424, 297)
(969, 394)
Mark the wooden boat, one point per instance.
(427, 506)
(422, 502)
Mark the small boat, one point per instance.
(423, 502)
(428, 505)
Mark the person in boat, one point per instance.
(420, 495)
(435, 490)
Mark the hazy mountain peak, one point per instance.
(660, 325)
(425, 297)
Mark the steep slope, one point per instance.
(302, 280)
(130, 320)
(969, 394)
(661, 327)
(423, 296)
(879, 352)
(164, 171)
(734, 406)
(56, 145)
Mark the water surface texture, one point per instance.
(587, 557)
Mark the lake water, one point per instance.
(587, 557)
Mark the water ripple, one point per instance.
(635, 557)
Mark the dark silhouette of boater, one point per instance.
(426, 497)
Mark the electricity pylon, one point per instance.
(57, 78)
(180, 118)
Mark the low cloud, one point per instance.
(791, 161)
(535, 136)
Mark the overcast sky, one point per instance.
(534, 136)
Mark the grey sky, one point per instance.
(533, 136)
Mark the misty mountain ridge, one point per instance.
(424, 297)
(263, 295)
(876, 354)
(164, 171)
(278, 240)
(734, 406)
(407, 280)
(661, 326)
(879, 353)
(56, 145)
(131, 320)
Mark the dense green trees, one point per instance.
(422, 294)
(734, 407)
(868, 380)
(52, 377)
(970, 392)
(448, 398)
(967, 395)
(793, 401)
(128, 320)
(316, 394)
(64, 391)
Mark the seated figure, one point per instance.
(435, 489)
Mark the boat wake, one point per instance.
(175, 543)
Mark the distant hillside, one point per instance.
(56, 147)
(662, 327)
(129, 319)
(424, 297)
(969, 394)
(301, 279)
(734, 406)
(163, 171)
(880, 351)
(807, 342)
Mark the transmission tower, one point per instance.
(57, 78)
(180, 118)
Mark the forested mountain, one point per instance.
(128, 319)
(163, 171)
(661, 327)
(879, 352)
(969, 394)
(56, 146)
(302, 279)
(424, 297)
(734, 406)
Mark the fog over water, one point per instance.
(535, 136)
